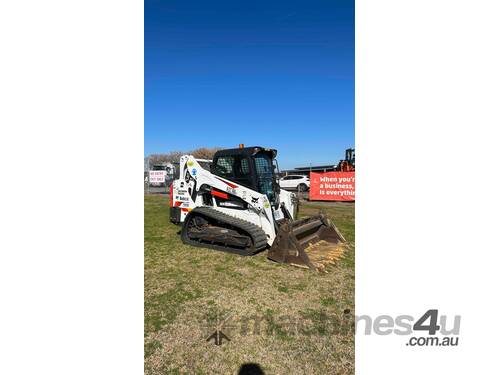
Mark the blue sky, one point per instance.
(278, 74)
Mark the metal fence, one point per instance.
(158, 176)
(157, 187)
(158, 182)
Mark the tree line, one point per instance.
(174, 156)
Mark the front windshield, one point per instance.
(264, 168)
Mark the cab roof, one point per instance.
(247, 151)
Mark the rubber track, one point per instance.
(259, 238)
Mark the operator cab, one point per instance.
(249, 166)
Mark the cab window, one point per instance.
(235, 168)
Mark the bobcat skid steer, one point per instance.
(236, 205)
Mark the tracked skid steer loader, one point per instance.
(233, 203)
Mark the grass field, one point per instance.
(286, 319)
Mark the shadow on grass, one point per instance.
(250, 369)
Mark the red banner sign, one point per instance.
(332, 186)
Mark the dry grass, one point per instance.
(286, 319)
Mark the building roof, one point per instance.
(316, 167)
(313, 168)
